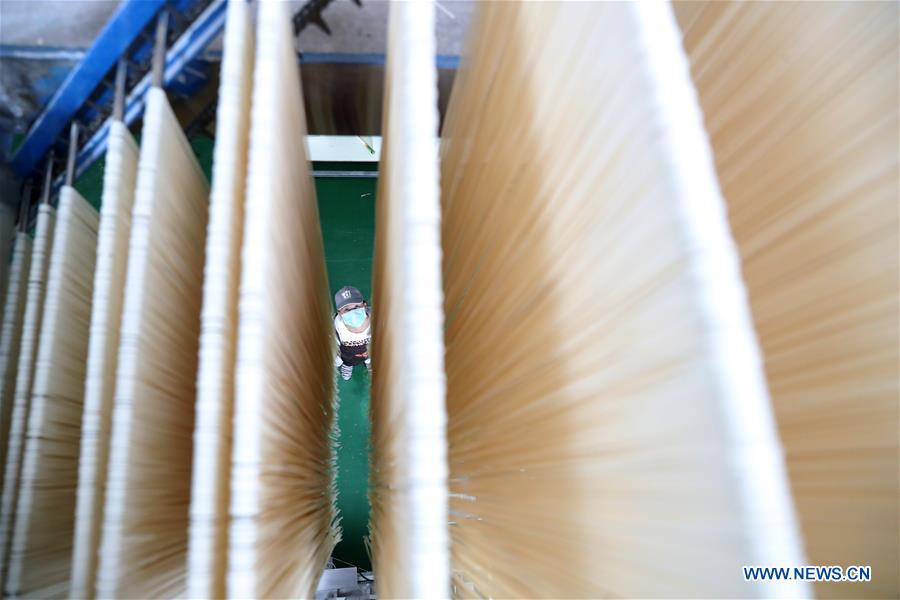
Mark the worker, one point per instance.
(353, 331)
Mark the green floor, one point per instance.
(347, 213)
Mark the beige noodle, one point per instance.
(11, 333)
(41, 554)
(409, 447)
(282, 511)
(31, 326)
(143, 549)
(208, 542)
(106, 317)
(609, 429)
(801, 103)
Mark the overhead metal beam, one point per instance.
(124, 26)
(73, 152)
(15, 51)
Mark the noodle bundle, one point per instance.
(409, 468)
(11, 333)
(283, 525)
(143, 550)
(41, 552)
(31, 327)
(208, 544)
(609, 429)
(807, 156)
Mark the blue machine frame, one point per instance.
(123, 28)
(191, 43)
(115, 41)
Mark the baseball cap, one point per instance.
(347, 295)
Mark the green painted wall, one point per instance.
(347, 215)
(90, 184)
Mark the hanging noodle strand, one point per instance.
(120, 173)
(410, 546)
(283, 523)
(804, 131)
(143, 550)
(11, 334)
(609, 428)
(208, 544)
(41, 552)
(31, 326)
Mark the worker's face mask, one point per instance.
(355, 317)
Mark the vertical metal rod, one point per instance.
(24, 205)
(119, 90)
(48, 179)
(159, 49)
(73, 153)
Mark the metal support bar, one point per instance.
(24, 206)
(159, 49)
(40, 53)
(73, 152)
(48, 179)
(119, 90)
